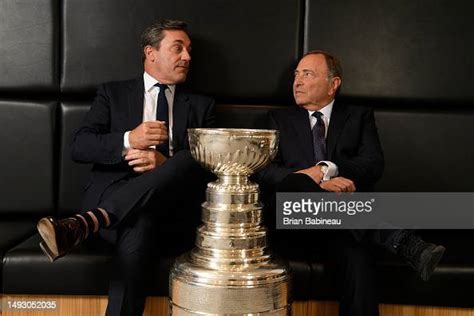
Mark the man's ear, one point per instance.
(335, 84)
(148, 51)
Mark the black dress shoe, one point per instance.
(59, 236)
(422, 256)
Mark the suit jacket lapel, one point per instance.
(302, 128)
(135, 103)
(181, 106)
(339, 116)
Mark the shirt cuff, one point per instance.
(330, 171)
(126, 143)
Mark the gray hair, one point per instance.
(154, 34)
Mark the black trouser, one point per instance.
(386, 238)
(179, 177)
(130, 267)
(355, 262)
(351, 269)
(355, 271)
(137, 204)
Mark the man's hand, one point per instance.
(338, 184)
(148, 134)
(144, 160)
(314, 173)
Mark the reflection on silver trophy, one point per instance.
(230, 272)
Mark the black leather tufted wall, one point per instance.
(427, 151)
(29, 45)
(241, 49)
(26, 181)
(398, 49)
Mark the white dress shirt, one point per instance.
(150, 100)
(329, 168)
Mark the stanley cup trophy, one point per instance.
(230, 272)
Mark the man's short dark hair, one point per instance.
(333, 63)
(154, 34)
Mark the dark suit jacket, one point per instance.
(117, 108)
(352, 144)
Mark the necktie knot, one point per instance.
(317, 115)
(162, 86)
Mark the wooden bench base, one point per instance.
(24, 305)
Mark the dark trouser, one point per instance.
(351, 270)
(136, 204)
(355, 268)
(179, 176)
(386, 238)
(355, 263)
(130, 267)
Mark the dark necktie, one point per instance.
(319, 141)
(162, 115)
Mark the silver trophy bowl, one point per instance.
(230, 272)
(233, 152)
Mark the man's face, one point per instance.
(312, 89)
(170, 62)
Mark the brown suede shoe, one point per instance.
(59, 236)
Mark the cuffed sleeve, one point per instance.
(329, 169)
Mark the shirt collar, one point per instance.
(150, 83)
(326, 110)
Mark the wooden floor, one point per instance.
(95, 306)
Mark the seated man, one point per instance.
(327, 146)
(135, 134)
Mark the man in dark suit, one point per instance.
(326, 146)
(135, 134)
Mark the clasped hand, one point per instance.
(148, 134)
(314, 173)
(143, 160)
(337, 184)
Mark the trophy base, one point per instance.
(178, 311)
(249, 290)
